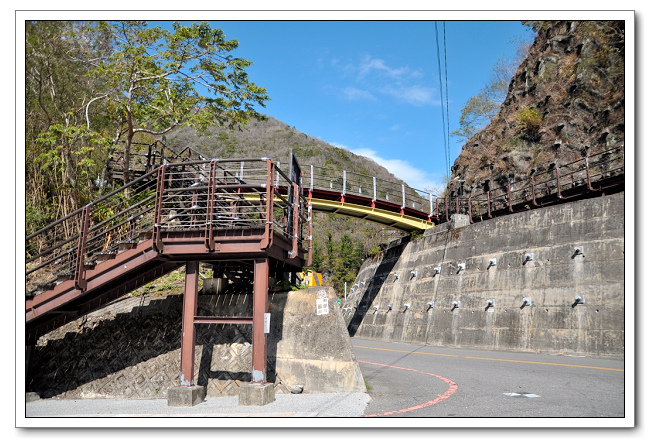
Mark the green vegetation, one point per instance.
(95, 87)
(529, 121)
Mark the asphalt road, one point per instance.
(424, 381)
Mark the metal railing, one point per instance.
(587, 175)
(144, 160)
(370, 187)
(557, 182)
(194, 196)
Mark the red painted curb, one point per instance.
(452, 388)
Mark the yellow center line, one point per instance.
(492, 359)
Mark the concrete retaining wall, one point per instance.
(131, 349)
(553, 323)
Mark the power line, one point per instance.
(442, 102)
(444, 32)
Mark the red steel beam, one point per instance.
(260, 307)
(223, 320)
(188, 339)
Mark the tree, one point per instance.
(60, 164)
(346, 261)
(156, 80)
(483, 107)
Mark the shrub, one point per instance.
(528, 122)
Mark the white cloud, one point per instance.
(352, 93)
(416, 95)
(374, 77)
(369, 64)
(402, 169)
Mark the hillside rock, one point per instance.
(566, 101)
(275, 139)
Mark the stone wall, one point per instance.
(131, 348)
(451, 308)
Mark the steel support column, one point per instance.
(260, 307)
(188, 339)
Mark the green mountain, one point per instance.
(340, 243)
(275, 139)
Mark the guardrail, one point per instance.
(204, 196)
(587, 175)
(370, 187)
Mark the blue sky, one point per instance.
(373, 87)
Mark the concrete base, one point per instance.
(185, 396)
(256, 394)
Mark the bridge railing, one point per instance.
(204, 196)
(344, 183)
(558, 182)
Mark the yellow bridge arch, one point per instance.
(388, 218)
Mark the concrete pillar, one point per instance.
(260, 307)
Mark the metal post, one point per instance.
(374, 191)
(79, 280)
(509, 199)
(588, 175)
(311, 178)
(295, 225)
(270, 192)
(469, 209)
(532, 181)
(160, 188)
(403, 198)
(209, 216)
(188, 339)
(260, 307)
(310, 234)
(489, 205)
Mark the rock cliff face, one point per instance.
(566, 101)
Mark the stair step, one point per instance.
(46, 286)
(146, 235)
(126, 245)
(103, 256)
(63, 276)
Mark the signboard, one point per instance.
(267, 323)
(321, 303)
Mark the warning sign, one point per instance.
(322, 307)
